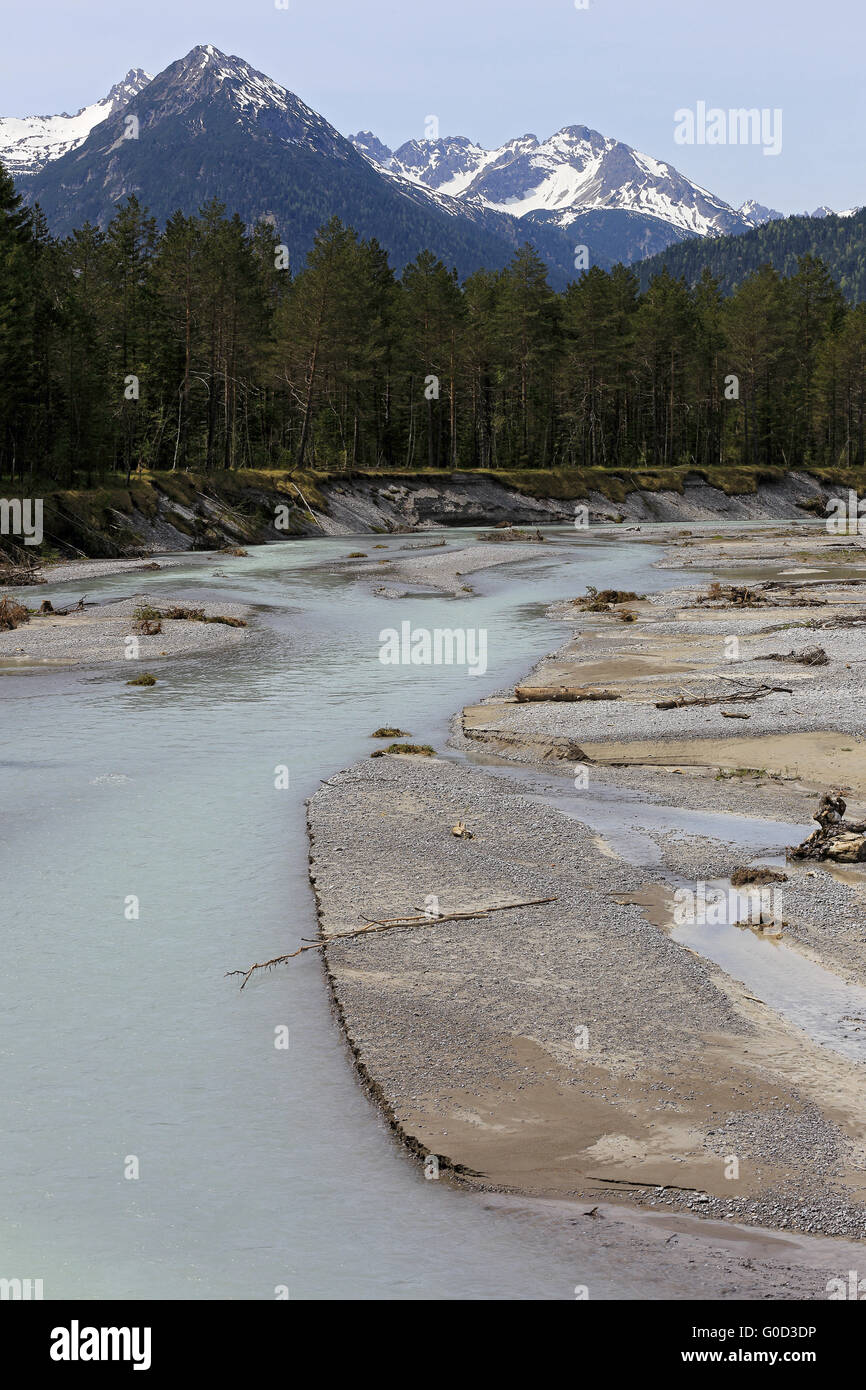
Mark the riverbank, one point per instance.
(160, 513)
(470, 1032)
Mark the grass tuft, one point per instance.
(423, 749)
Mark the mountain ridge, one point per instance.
(573, 171)
(210, 126)
(28, 143)
(580, 198)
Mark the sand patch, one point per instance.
(817, 760)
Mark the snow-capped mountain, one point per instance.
(211, 127)
(824, 211)
(27, 143)
(756, 214)
(368, 144)
(575, 171)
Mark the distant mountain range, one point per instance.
(577, 170)
(211, 126)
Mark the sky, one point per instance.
(496, 69)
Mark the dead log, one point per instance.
(73, 608)
(839, 620)
(562, 693)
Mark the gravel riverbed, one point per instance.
(470, 1032)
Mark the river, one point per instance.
(258, 1168)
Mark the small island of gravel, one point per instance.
(585, 1048)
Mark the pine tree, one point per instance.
(431, 320)
(18, 253)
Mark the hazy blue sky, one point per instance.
(493, 69)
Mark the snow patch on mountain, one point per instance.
(27, 143)
(756, 214)
(574, 171)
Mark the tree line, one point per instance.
(839, 241)
(198, 348)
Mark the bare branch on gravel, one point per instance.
(736, 696)
(392, 924)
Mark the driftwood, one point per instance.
(19, 568)
(12, 614)
(20, 577)
(757, 874)
(736, 697)
(507, 533)
(739, 595)
(836, 838)
(637, 1182)
(421, 919)
(809, 656)
(73, 608)
(810, 583)
(563, 693)
(839, 620)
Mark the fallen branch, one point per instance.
(20, 577)
(838, 620)
(739, 595)
(809, 656)
(73, 608)
(635, 1182)
(293, 484)
(391, 924)
(737, 696)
